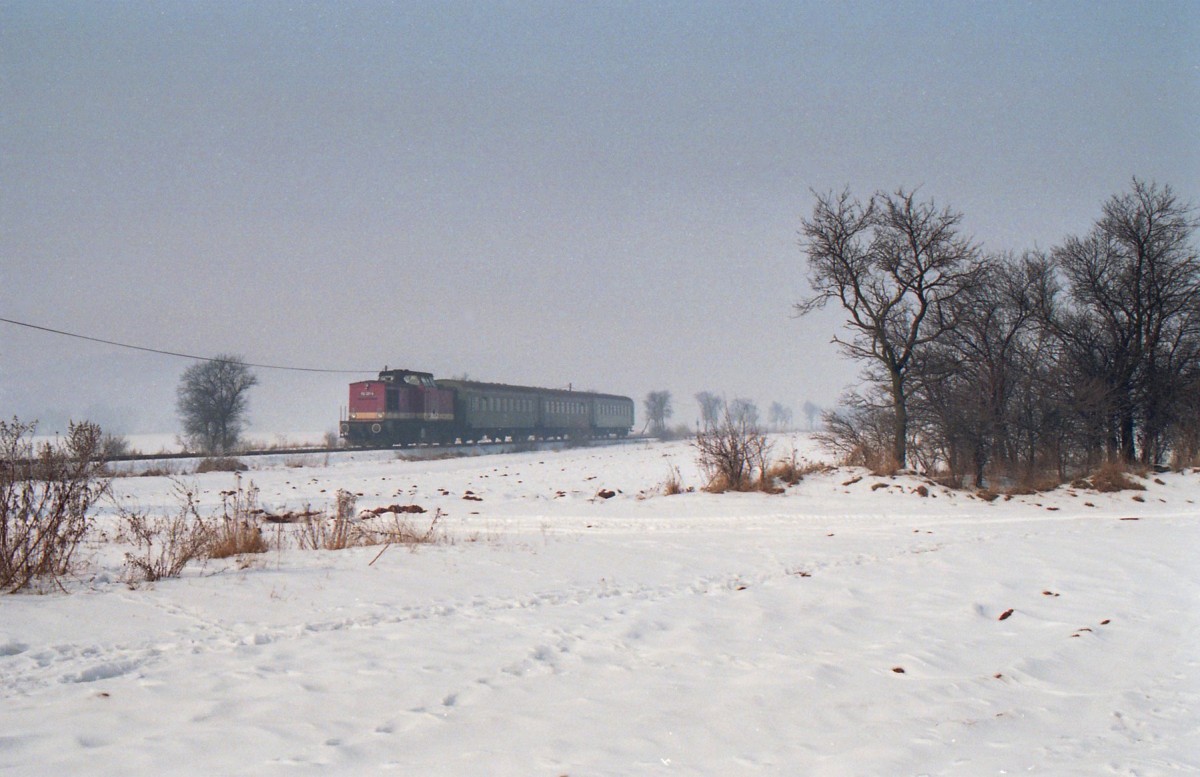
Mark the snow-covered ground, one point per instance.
(840, 628)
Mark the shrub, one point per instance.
(731, 452)
(220, 464)
(860, 435)
(1114, 476)
(45, 494)
(114, 446)
(677, 432)
(158, 471)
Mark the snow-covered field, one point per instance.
(835, 629)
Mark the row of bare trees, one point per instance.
(1013, 366)
(659, 409)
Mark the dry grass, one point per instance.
(238, 531)
(881, 463)
(234, 538)
(785, 471)
(674, 483)
(220, 464)
(1037, 483)
(345, 529)
(720, 483)
(321, 532)
(1113, 476)
(791, 470)
(165, 544)
(401, 530)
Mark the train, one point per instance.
(406, 407)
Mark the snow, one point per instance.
(559, 633)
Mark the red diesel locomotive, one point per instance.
(404, 407)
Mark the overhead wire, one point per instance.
(177, 353)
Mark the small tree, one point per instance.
(658, 410)
(212, 402)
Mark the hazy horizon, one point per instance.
(537, 193)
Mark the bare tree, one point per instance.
(1134, 316)
(811, 411)
(212, 402)
(744, 411)
(897, 267)
(658, 410)
(711, 406)
(779, 416)
(967, 381)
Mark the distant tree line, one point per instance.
(994, 365)
(713, 407)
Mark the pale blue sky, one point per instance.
(602, 194)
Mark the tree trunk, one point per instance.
(1127, 442)
(900, 424)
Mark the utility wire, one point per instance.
(176, 353)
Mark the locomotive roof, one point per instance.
(474, 384)
(401, 373)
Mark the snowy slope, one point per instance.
(558, 633)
